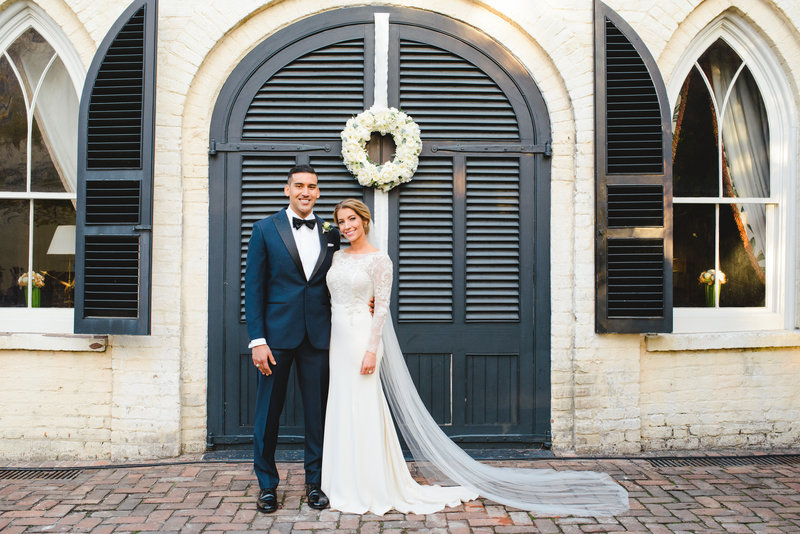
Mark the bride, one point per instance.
(363, 469)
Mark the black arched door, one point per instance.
(468, 235)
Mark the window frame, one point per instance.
(781, 295)
(13, 23)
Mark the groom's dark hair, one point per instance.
(300, 168)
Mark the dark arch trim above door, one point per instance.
(249, 157)
(277, 43)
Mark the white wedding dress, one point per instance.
(363, 468)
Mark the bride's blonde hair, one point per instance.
(357, 206)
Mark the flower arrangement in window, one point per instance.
(37, 282)
(708, 279)
(38, 279)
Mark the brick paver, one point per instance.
(193, 495)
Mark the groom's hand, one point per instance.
(262, 358)
(372, 306)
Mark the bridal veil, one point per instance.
(542, 491)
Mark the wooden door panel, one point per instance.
(433, 377)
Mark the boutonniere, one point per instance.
(326, 227)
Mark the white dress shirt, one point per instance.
(307, 242)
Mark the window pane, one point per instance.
(13, 131)
(695, 167)
(741, 254)
(44, 176)
(54, 250)
(715, 62)
(54, 148)
(31, 53)
(14, 217)
(693, 252)
(745, 138)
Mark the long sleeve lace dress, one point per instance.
(363, 469)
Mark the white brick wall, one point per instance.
(720, 399)
(146, 396)
(55, 405)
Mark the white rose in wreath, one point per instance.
(405, 133)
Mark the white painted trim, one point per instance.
(381, 87)
(37, 320)
(381, 217)
(782, 114)
(686, 320)
(15, 20)
(722, 341)
(723, 200)
(381, 100)
(53, 342)
(22, 195)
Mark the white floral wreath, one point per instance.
(405, 133)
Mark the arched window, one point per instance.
(38, 169)
(730, 184)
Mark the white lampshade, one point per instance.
(63, 241)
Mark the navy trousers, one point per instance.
(312, 375)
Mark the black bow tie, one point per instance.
(298, 222)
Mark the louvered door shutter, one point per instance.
(300, 110)
(457, 205)
(464, 249)
(633, 171)
(115, 179)
(283, 105)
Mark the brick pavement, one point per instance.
(191, 495)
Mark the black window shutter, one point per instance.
(633, 171)
(115, 179)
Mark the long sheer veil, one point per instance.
(442, 461)
(542, 491)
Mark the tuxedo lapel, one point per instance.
(285, 231)
(323, 247)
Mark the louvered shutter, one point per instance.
(308, 99)
(425, 243)
(633, 170)
(464, 244)
(115, 179)
(492, 239)
(444, 99)
(451, 98)
(284, 105)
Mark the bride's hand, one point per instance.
(368, 363)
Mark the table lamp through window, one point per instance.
(63, 242)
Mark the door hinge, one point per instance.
(214, 147)
(494, 149)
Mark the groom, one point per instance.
(289, 320)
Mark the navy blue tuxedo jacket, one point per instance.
(280, 304)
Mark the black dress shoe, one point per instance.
(316, 497)
(267, 501)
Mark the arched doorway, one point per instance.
(469, 235)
